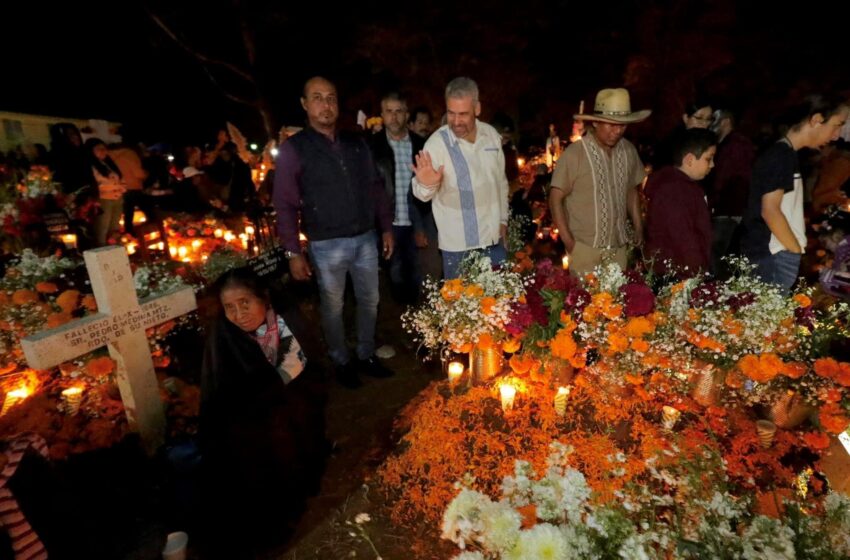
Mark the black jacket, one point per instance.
(382, 153)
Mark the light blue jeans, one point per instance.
(333, 260)
(781, 269)
(452, 259)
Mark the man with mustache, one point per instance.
(328, 177)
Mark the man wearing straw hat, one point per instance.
(594, 190)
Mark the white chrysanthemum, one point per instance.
(768, 538)
(545, 495)
(579, 545)
(541, 542)
(500, 527)
(574, 493)
(462, 519)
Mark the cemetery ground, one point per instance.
(120, 504)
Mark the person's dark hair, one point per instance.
(394, 96)
(694, 106)
(723, 114)
(416, 111)
(826, 105)
(104, 167)
(242, 277)
(694, 141)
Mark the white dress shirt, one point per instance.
(470, 204)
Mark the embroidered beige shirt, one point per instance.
(597, 185)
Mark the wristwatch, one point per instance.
(291, 254)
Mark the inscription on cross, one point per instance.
(119, 325)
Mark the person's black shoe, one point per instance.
(347, 376)
(373, 367)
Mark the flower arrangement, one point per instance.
(467, 311)
(683, 511)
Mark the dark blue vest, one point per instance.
(337, 185)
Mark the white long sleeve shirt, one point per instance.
(471, 202)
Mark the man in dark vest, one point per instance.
(329, 178)
(393, 149)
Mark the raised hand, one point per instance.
(425, 172)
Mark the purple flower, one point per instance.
(705, 294)
(741, 300)
(805, 316)
(577, 298)
(520, 320)
(638, 298)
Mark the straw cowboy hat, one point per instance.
(614, 106)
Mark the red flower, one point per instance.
(638, 298)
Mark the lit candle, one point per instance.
(219, 233)
(508, 393)
(228, 236)
(196, 244)
(561, 400)
(173, 251)
(70, 240)
(161, 246)
(139, 217)
(131, 248)
(302, 238)
(565, 262)
(455, 372)
(72, 396)
(249, 230)
(182, 252)
(13, 398)
(669, 416)
(520, 162)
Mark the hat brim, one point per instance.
(631, 118)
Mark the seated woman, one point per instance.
(262, 418)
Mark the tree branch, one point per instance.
(226, 93)
(197, 54)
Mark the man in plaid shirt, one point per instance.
(393, 149)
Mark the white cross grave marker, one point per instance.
(119, 325)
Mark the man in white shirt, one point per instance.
(462, 171)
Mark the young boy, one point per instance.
(678, 222)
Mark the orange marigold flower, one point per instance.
(46, 288)
(751, 366)
(57, 319)
(833, 395)
(833, 423)
(487, 305)
(68, 300)
(802, 300)
(676, 288)
(827, 368)
(474, 290)
(89, 302)
(636, 327)
(529, 516)
(794, 370)
(4, 298)
(617, 342)
(771, 364)
(735, 379)
(634, 379)
(563, 345)
(843, 377)
(520, 363)
(511, 345)
(640, 345)
(22, 297)
(816, 440)
(485, 341)
(579, 360)
(452, 289)
(100, 367)
(463, 348)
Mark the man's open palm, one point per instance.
(425, 172)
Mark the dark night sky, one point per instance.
(533, 59)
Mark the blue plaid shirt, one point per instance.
(403, 160)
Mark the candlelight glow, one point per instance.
(455, 372)
(565, 262)
(302, 237)
(219, 233)
(561, 400)
(228, 236)
(173, 251)
(131, 248)
(196, 244)
(520, 162)
(508, 393)
(182, 252)
(70, 240)
(249, 230)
